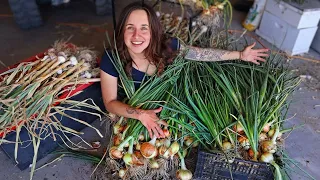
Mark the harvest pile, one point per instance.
(234, 107)
(30, 93)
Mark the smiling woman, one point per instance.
(145, 50)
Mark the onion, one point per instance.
(238, 128)
(263, 136)
(268, 146)
(271, 132)
(73, 60)
(195, 144)
(158, 143)
(226, 146)
(117, 139)
(266, 157)
(244, 142)
(116, 152)
(174, 148)
(141, 137)
(183, 173)
(188, 141)
(162, 150)
(138, 146)
(127, 159)
(137, 158)
(166, 132)
(148, 149)
(122, 173)
(251, 153)
(266, 128)
(59, 71)
(61, 59)
(154, 164)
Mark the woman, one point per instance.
(145, 51)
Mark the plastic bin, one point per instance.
(214, 166)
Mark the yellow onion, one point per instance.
(263, 136)
(115, 153)
(122, 173)
(271, 133)
(154, 164)
(266, 157)
(238, 128)
(166, 132)
(148, 149)
(266, 128)
(244, 142)
(158, 143)
(137, 158)
(174, 148)
(127, 159)
(162, 150)
(268, 146)
(117, 139)
(195, 144)
(141, 137)
(226, 146)
(183, 173)
(188, 141)
(251, 153)
(138, 146)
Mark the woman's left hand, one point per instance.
(253, 55)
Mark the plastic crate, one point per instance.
(78, 88)
(215, 166)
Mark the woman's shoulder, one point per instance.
(107, 64)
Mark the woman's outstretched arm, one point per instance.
(210, 54)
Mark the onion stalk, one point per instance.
(183, 173)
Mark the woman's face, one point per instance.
(137, 33)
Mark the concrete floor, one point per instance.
(87, 29)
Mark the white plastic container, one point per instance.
(303, 16)
(289, 26)
(284, 36)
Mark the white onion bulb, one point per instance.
(59, 71)
(61, 59)
(73, 60)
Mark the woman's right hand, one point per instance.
(152, 122)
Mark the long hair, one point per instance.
(158, 52)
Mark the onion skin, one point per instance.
(268, 146)
(166, 133)
(137, 158)
(117, 139)
(266, 128)
(238, 128)
(184, 174)
(122, 173)
(262, 137)
(162, 150)
(244, 142)
(148, 150)
(226, 146)
(266, 157)
(114, 153)
(154, 164)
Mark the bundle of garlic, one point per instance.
(29, 93)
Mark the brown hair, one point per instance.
(158, 52)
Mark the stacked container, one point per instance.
(289, 26)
